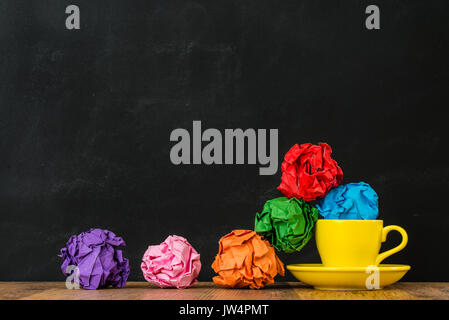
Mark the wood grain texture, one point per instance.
(209, 291)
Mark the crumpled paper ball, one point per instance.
(286, 223)
(309, 172)
(245, 259)
(173, 263)
(353, 201)
(100, 263)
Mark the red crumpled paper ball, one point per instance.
(309, 172)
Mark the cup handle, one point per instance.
(401, 246)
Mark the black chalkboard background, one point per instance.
(86, 116)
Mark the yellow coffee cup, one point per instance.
(354, 243)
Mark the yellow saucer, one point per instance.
(348, 278)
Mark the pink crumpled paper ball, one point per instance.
(173, 263)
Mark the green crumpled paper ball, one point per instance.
(286, 223)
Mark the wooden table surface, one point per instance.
(209, 291)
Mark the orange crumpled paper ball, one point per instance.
(245, 259)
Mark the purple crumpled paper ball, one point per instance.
(100, 263)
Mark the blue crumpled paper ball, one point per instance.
(353, 201)
(96, 255)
